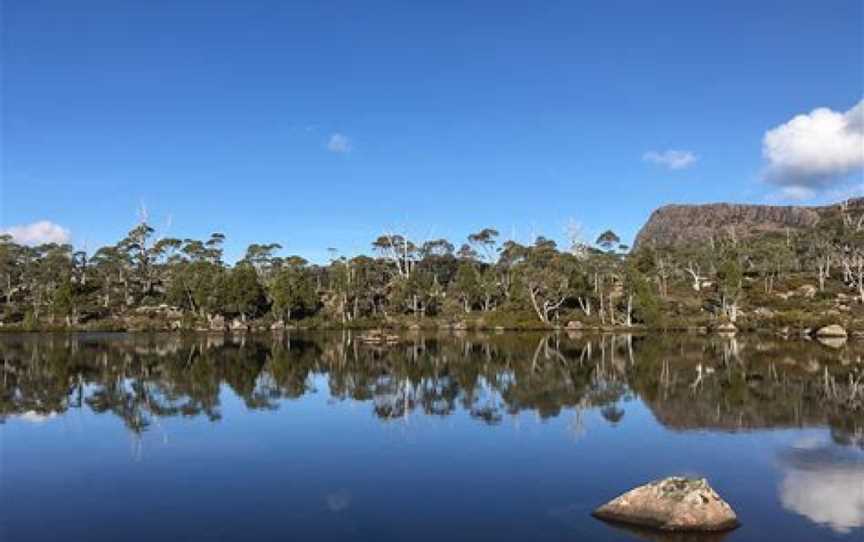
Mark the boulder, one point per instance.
(833, 330)
(217, 323)
(672, 504)
(574, 325)
(763, 312)
(238, 325)
(278, 325)
(460, 326)
(807, 290)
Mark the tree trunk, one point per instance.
(821, 277)
(540, 313)
(629, 310)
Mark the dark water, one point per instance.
(442, 437)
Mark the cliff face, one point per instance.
(684, 224)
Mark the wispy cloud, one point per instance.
(339, 143)
(671, 159)
(36, 233)
(815, 153)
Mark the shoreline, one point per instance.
(253, 328)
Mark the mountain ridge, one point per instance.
(682, 224)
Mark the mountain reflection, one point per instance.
(688, 382)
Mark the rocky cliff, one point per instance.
(684, 224)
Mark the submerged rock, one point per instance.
(726, 328)
(378, 337)
(832, 342)
(672, 504)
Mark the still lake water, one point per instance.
(440, 437)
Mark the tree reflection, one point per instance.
(688, 382)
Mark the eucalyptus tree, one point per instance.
(771, 258)
(821, 249)
(510, 255)
(608, 241)
(546, 275)
(291, 290)
(465, 286)
(53, 266)
(852, 259)
(730, 279)
(639, 300)
(111, 269)
(66, 300)
(436, 248)
(139, 248)
(262, 258)
(416, 294)
(399, 250)
(245, 295)
(11, 256)
(484, 243)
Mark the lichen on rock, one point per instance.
(672, 504)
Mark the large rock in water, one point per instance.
(672, 504)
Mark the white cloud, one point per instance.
(36, 233)
(815, 152)
(794, 193)
(339, 143)
(672, 159)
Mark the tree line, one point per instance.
(601, 282)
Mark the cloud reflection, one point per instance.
(825, 484)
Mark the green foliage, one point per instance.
(485, 283)
(244, 294)
(646, 303)
(293, 293)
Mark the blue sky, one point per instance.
(320, 124)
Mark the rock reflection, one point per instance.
(687, 382)
(338, 501)
(653, 535)
(825, 484)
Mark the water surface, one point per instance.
(440, 437)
